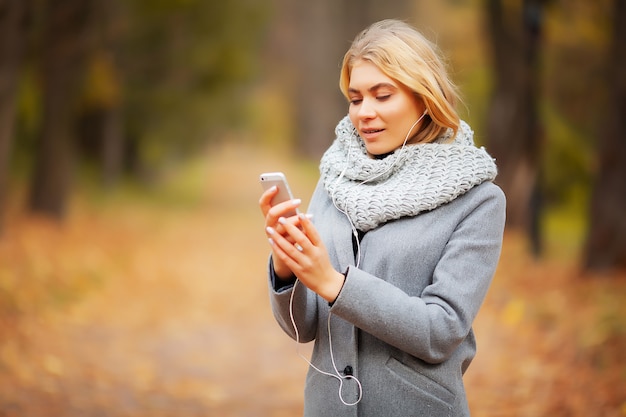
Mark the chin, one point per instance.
(376, 151)
(379, 155)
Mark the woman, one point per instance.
(405, 235)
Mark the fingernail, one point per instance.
(282, 220)
(296, 201)
(306, 215)
(271, 241)
(270, 230)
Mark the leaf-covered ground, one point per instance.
(158, 307)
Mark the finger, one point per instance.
(291, 229)
(285, 209)
(265, 202)
(293, 220)
(280, 229)
(309, 229)
(275, 221)
(283, 248)
(300, 240)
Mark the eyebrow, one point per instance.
(374, 87)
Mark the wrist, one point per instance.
(284, 276)
(282, 273)
(333, 287)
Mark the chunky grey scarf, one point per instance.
(409, 181)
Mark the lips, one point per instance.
(370, 134)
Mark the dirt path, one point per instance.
(173, 317)
(179, 326)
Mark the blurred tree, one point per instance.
(187, 67)
(606, 241)
(13, 15)
(123, 84)
(513, 127)
(322, 32)
(64, 47)
(100, 125)
(574, 99)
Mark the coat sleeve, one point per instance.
(296, 303)
(293, 304)
(432, 326)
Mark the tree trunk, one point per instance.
(63, 55)
(100, 140)
(326, 31)
(110, 107)
(112, 146)
(513, 128)
(12, 36)
(606, 241)
(319, 103)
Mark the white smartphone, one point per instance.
(269, 179)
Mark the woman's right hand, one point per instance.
(272, 214)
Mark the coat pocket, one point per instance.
(422, 383)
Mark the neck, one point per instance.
(381, 156)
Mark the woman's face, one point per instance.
(382, 110)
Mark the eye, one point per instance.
(356, 101)
(383, 97)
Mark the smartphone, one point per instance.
(269, 179)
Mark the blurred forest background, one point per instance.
(131, 137)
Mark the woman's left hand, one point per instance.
(307, 257)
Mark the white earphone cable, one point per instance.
(337, 375)
(345, 210)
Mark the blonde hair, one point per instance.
(406, 56)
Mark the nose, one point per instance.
(366, 110)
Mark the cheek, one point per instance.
(404, 116)
(353, 117)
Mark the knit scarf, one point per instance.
(409, 181)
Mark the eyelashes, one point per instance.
(357, 101)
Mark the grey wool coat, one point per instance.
(402, 323)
